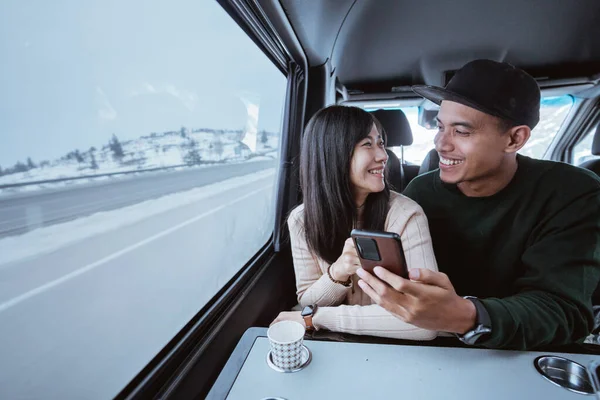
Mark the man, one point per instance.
(518, 237)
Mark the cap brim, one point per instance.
(438, 94)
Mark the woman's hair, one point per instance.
(325, 158)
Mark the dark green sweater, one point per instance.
(531, 252)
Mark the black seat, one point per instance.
(594, 165)
(430, 163)
(399, 134)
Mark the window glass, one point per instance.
(170, 118)
(582, 151)
(553, 112)
(422, 138)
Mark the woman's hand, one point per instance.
(290, 316)
(347, 264)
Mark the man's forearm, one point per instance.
(536, 318)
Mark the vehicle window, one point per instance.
(553, 112)
(422, 138)
(582, 151)
(169, 116)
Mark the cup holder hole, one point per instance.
(564, 373)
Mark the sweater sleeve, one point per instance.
(562, 269)
(368, 320)
(408, 220)
(312, 285)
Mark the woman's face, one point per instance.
(367, 166)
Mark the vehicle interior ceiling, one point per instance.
(368, 54)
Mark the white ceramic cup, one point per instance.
(286, 338)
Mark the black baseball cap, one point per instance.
(495, 88)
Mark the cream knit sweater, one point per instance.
(349, 309)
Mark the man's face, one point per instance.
(470, 145)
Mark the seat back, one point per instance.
(594, 165)
(394, 171)
(430, 163)
(399, 134)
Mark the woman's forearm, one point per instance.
(323, 292)
(368, 320)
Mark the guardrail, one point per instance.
(74, 178)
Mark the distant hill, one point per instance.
(183, 147)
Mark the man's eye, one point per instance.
(462, 133)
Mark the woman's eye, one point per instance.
(382, 144)
(367, 144)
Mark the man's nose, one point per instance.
(443, 142)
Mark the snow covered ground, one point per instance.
(182, 148)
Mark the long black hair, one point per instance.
(329, 206)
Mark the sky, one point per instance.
(72, 73)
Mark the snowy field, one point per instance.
(186, 149)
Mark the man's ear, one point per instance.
(518, 136)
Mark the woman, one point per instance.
(342, 165)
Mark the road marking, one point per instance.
(40, 289)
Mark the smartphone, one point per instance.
(594, 374)
(383, 249)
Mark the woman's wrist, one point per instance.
(336, 274)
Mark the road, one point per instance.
(24, 212)
(82, 321)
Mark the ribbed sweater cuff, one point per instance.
(327, 318)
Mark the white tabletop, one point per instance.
(378, 371)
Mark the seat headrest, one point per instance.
(396, 127)
(596, 142)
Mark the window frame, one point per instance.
(590, 134)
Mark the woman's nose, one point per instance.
(382, 155)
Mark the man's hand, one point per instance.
(290, 316)
(427, 300)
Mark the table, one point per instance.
(343, 370)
